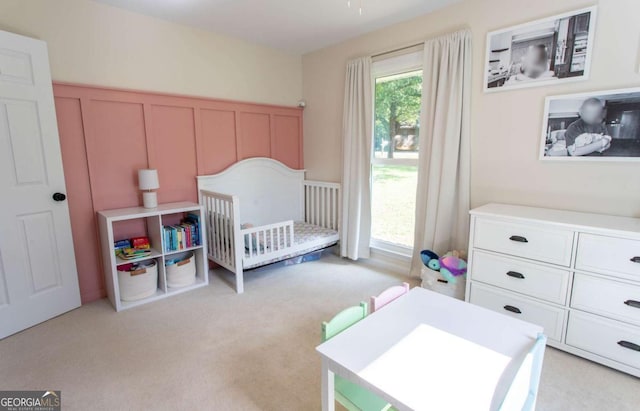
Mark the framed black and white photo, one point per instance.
(543, 52)
(597, 126)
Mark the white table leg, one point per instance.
(328, 389)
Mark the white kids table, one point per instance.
(426, 351)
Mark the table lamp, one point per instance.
(148, 181)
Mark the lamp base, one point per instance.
(150, 199)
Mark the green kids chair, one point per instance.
(350, 395)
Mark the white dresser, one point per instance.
(575, 274)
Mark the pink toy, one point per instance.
(454, 265)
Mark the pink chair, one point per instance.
(388, 295)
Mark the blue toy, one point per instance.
(434, 264)
(428, 255)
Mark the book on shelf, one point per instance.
(194, 219)
(184, 235)
(133, 253)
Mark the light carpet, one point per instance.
(213, 349)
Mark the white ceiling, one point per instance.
(296, 26)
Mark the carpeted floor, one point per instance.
(213, 349)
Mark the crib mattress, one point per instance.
(307, 238)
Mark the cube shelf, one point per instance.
(154, 221)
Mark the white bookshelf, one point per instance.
(154, 220)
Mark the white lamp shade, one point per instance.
(148, 179)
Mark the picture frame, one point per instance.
(592, 126)
(548, 51)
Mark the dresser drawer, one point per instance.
(613, 299)
(605, 338)
(535, 242)
(550, 318)
(604, 254)
(532, 279)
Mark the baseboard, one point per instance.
(389, 261)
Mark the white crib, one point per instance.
(259, 211)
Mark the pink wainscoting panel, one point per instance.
(218, 149)
(83, 227)
(116, 149)
(108, 134)
(286, 140)
(123, 230)
(174, 152)
(254, 139)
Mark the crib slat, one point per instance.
(226, 213)
(216, 229)
(313, 205)
(307, 214)
(229, 245)
(291, 239)
(216, 226)
(253, 244)
(310, 204)
(272, 237)
(332, 209)
(320, 193)
(325, 208)
(335, 206)
(221, 214)
(222, 230)
(210, 229)
(222, 238)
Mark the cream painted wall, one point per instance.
(505, 126)
(91, 43)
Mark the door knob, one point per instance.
(59, 197)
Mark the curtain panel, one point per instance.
(442, 200)
(356, 164)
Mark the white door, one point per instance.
(38, 276)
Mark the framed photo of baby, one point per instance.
(598, 126)
(548, 51)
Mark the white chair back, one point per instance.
(523, 391)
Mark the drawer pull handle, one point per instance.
(515, 274)
(512, 309)
(521, 239)
(635, 260)
(629, 345)
(632, 303)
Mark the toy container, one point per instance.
(138, 281)
(181, 270)
(434, 281)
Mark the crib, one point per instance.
(259, 211)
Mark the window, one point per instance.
(394, 162)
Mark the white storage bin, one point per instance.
(182, 272)
(138, 282)
(434, 281)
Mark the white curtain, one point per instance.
(442, 203)
(356, 164)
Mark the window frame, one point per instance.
(398, 64)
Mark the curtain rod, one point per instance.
(384, 53)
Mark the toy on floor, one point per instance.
(450, 266)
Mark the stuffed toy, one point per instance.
(450, 266)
